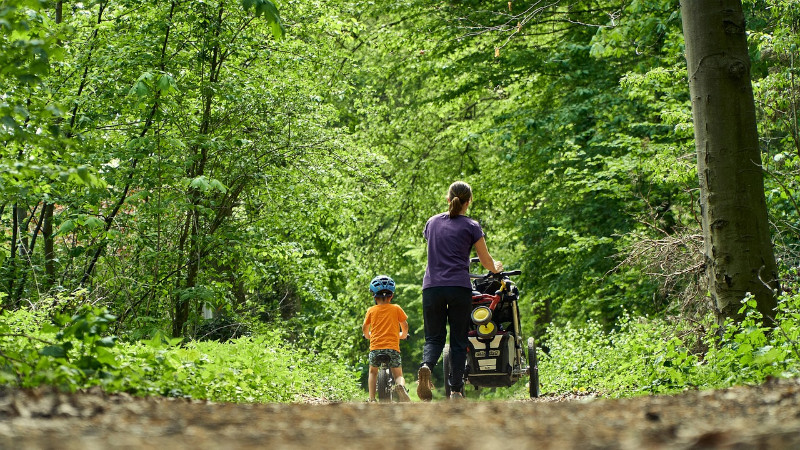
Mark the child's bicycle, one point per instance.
(385, 386)
(495, 354)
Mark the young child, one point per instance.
(381, 326)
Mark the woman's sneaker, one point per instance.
(402, 393)
(424, 384)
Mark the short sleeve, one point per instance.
(477, 232)
(368, 317)
(401, 315)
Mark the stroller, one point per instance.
(495, 353)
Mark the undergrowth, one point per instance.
(640, 356)
(76, 353)
(662, 356)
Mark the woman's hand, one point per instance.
(498, 267)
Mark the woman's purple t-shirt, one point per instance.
(450, 243)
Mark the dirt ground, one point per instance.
(766, 416)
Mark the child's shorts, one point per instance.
(394, 357)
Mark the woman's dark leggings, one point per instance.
(440, 306)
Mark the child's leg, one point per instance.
(372, 381)
(397, 373)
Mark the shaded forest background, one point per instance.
(261, 162)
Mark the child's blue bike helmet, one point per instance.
(380, 284)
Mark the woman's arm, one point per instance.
(486, 259)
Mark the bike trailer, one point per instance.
(489, 362)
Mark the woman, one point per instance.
(446, 288)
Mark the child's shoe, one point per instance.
(456, 395)
(402, 393)
(424, 384)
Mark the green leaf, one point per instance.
(216, 184)
(94, 222)
(83, 172)
(139, 89)
(108, 341)
(9, 122)
(154, 342)
(105, 357)
(200, 183)
(49, 328)
(270, 12)
(65, 227)
(55, 351)
(166, 84)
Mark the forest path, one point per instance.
(766, 416)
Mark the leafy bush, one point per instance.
(658, 356)
(750, 352)
(70, 353)
(645, 356)
(75, 354)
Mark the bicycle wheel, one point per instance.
(384, 389)
(446, 368)
(533, 369)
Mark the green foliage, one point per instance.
(266, 159)
(76, 353)
(656, 356)
(638, 357)
(749, 352)
(270, 13)
(248, 369)
(570, 148)
(775, 53)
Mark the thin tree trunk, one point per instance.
(194, 253)
(20, 252)
(47, 226)
(738, 250)
(12, 259)
(49, 247)
(29, 251)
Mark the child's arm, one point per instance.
(403, 329)
(365, 330)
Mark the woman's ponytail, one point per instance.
(455, 207)
(459, 194)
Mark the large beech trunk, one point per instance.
(739, 255)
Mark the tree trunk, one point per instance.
(195, 253)
(738, 250)
(11, 272)
(49, 247)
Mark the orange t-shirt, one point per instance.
(384, 322)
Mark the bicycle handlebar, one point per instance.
(498, 275)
